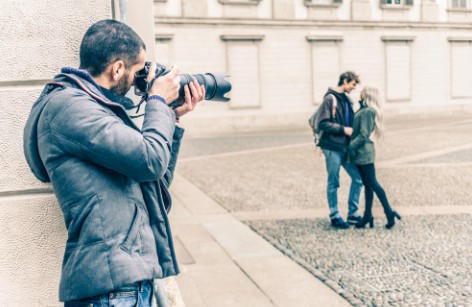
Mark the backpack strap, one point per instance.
(335, 104)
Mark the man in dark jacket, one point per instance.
(335, 122)
(109, 176)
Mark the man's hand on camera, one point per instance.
(166, 86)
(198, 94)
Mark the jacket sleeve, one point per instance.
(169, 174)
(366, 127)
(88, 130)
(326, 124)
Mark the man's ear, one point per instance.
(117, 70)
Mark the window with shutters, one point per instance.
(396, 3)
(323, 2)
(398, 67)
(459, 4)
(242, 54)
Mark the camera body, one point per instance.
(216, 85)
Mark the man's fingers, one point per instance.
(188, 97)
(203, 91)
(193, 89)
(173, 72)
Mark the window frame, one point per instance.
(458, 8)
(404, 4)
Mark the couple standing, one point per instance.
(346, 141)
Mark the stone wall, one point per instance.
(37, 37)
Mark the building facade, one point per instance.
(283, 54)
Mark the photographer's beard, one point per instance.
(123, 85)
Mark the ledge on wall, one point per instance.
(324, 38)
(164, 37)
(334, 3)
(242, 37)
(240, 2)
(459, 39)
(399, 38)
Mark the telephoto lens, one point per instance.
(216, 85)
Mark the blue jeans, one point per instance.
(137, 295)
(334, 161)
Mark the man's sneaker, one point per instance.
(338, 222)
(354, 219)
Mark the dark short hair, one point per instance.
(107, 41)
(349, 76)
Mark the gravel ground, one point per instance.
(422, 261)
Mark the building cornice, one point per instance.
(241, 22)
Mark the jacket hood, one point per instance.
(30, 133)
(339, 96)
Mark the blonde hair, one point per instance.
(371, 100)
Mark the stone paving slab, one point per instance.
(423, 261)
(224, 263)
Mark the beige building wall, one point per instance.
(414, 53)
(37, 37)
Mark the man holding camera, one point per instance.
(110, 177)
(335, 121)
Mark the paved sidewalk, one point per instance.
(225, 263)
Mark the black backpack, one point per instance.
(314, 120)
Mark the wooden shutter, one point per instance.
(461, 58)
(325, 68)
(398, 72)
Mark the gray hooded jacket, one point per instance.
(111, 181)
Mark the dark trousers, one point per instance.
(371, 186)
